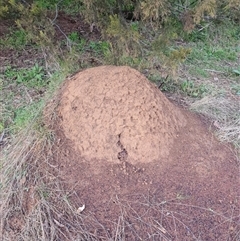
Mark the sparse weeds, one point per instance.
(82, 46)
(193, 90)
(100, 48)
(33, 77)
(199, 71)
(166, 84)
(236, 71)
(21, 91)
(214, 62)
(15, 39)
(77, 42)
(187, 87)
(235, 89)
(24, 115)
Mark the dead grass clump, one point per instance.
(225, 115)
(34, 205)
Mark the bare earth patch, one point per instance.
(140, 164)
(107, 111)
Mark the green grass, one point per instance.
(69, 6)
(16, 39)
(213, 64)
(33, 77)
(97, 48)
(77, 42)
(100, 48)
(22, 96)
(213, 68)
(221, 45)
(193, 90)
(25, 115)
(206, 53)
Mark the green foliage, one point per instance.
(14, 8)
(16, 39)
(161, 21)
(52, 4)
(33, 77)
(165, 84)
(32, 20)
(221, 54)
(72, 7)
(236, 71)
(209, 52)
(23, 116)
(1, 126)
(77, 42)
(196, 35)
(124, 38)
(193, 90)
(7, 8)
(99, 47)
(74, 37)
(22, 96)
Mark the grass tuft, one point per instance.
(225, 115)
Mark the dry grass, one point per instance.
(224, 114)
(28, 204)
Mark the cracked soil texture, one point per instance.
(107, 111)
(128, 152)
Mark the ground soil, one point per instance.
(189, 192)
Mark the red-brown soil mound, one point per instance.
(134, 158)
(115, 112)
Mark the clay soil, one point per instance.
(187, 190)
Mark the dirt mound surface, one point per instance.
(113, 113)
(144, 168)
